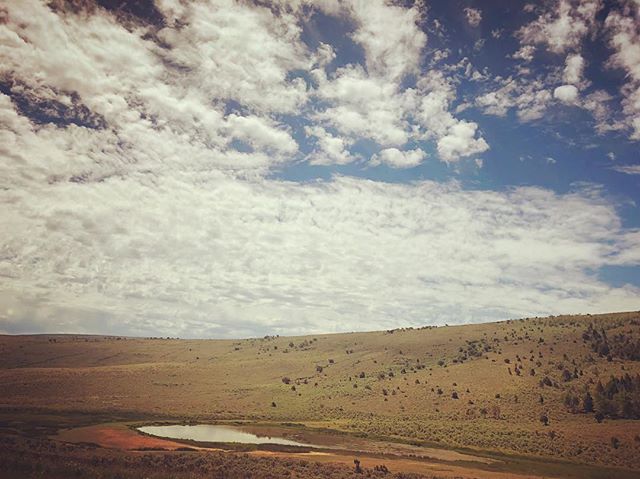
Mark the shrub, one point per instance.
(571, 401)
(544, 419)
(546, 382)
(620, 397)
(587, 402)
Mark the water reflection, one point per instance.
(215, 433)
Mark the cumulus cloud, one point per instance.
(473, 16)
(623, 27)
(455, 138)
(574, 68)
(525, 53)
(373, 102)
(361, 105)
(390, 37)
(562, 26)
(461, 140)
(261, 134)
(239, 51)
(398, 159)
(530, 98)
(566, 93)
(330, 149)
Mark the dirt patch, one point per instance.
(116, 436)
(121, 436)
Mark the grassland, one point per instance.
(511, 389)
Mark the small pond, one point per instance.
(216, 433)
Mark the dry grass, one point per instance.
(496, 409)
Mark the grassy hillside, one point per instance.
(487, 386)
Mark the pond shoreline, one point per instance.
(443, 461)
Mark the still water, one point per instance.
(214, 433)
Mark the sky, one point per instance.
(234, 168)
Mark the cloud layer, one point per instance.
(218, 256)
(137, 176)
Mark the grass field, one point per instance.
(513, 389)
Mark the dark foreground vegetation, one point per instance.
(26, 458)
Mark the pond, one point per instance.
(216, 433)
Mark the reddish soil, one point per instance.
(119, 436)
(116, 436)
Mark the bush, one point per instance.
(544, 419)
(587, 402)
(571, 401)
(619, 398)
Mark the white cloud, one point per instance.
(454, 138)
(623, 27)
(374, 103)
(398, 159)
(241, 52)
(200, 256)
(627, 169)
(529, 97)
(151, 221)
(461, 141)
(361, 105)
(598, 103)
(142, 90)
(563, 26)
(566, 93)
(574, 68)
(390, 37)
(473, 15)
(330, 149)
(525, 53)
(325, 54)
(261, 134)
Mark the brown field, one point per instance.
(68, 403)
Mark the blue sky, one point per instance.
(225, 169)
